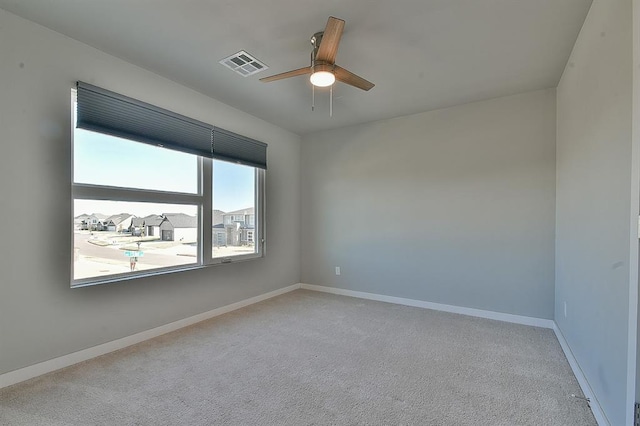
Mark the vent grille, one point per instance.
(243, 63)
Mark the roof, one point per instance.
(223, 227)
(117, 219)
(248, 210)
(181, 220)
(153, 220)
(137, 221)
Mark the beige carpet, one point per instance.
(308, 358)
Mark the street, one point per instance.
(102, 257)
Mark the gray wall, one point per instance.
(40, 316)
(594, 209)
(453, 206)
(635, 182)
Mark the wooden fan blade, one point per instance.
(330, 40)
(294, 73)
(350, 78)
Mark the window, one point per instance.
(234, 195)
(143, 203)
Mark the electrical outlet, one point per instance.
(337, 270)
(565, 309)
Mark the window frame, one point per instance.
(202, 199)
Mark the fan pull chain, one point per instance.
(331, 102)
(313, 97)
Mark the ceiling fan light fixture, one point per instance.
(322, 78)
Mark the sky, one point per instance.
(106, 160)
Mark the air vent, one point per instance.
(244, 64)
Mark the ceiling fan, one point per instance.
(324, 71)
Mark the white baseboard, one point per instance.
(26, 373)
(598, 413)
(499, 316)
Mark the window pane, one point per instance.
(116, 237)
(234, 198)
(107, 160)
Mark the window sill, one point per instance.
(89, 282)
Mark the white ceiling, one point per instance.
(421, 54)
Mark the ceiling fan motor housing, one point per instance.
(317, 66)
(322, 66)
